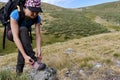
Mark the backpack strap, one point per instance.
(21, 13)
(4, 35)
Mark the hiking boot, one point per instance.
(39, 66)
(18, 73)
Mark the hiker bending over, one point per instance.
(21, 36)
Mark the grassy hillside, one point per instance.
(1, 4)
(85, 53)
(92, 44)
(49, 8)
(108, 11)
(60, 24)
(70, 24)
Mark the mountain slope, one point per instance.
(49, 8)
(69, 23)
(60, 24)
(88, 58)
(79, 54)
(108, 11)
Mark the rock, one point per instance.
(11, 68)
(82, 73)
(117, 63)
(46, 74)
(69, 51)
(109, 72)
(68, 73)
(97, 66)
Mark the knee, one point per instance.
(9, 35)
(23, 29)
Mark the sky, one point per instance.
(73, 3)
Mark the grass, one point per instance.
(116, 55)
(89, 49)
(61, 29)
(62, 25)
(86, 49)
(8, 75)
(69, 25)
(9, 46)
(103, 48)
(108, 11)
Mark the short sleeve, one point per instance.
(15, 15)
(38, 19)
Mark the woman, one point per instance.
(20, 34)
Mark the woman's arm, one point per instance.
(38, 39)
(15, 32)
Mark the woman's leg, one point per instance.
(26, 42)
(20, 63)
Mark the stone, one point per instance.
(46, 74)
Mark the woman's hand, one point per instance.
(29, 60)
(39, 57)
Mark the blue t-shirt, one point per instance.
(27, 23)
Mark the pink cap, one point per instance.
(34, 5)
